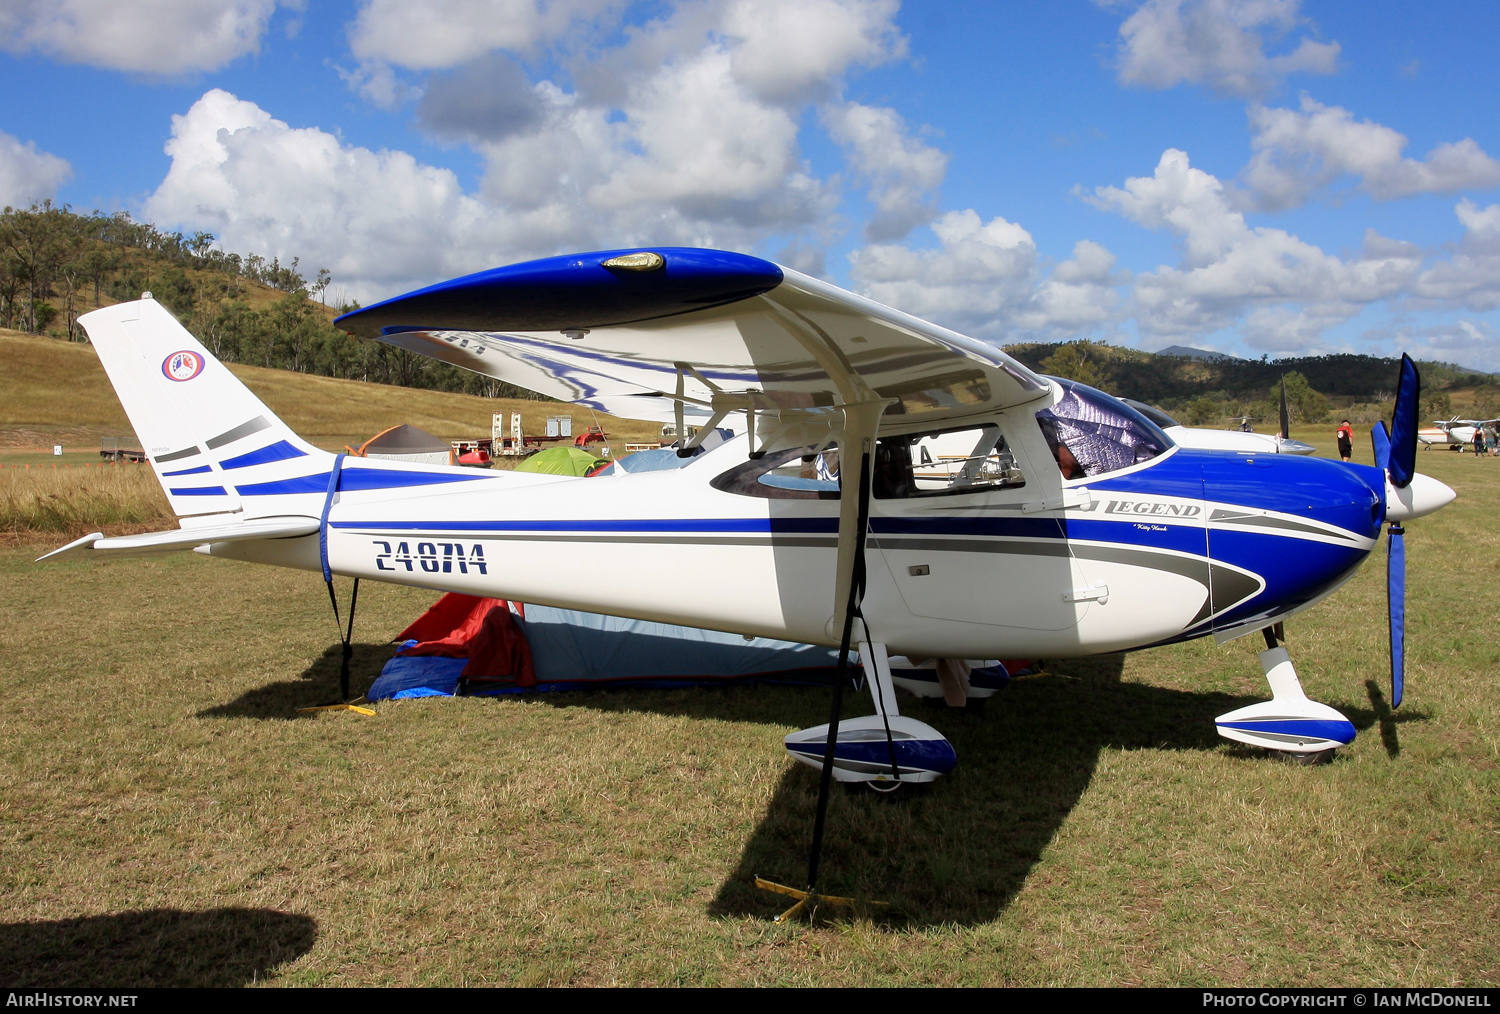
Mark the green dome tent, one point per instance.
(559, 461)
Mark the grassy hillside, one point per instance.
(58, 265)
(53, 391)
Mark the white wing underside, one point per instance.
(800, 345)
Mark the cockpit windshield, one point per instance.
(1092, 433)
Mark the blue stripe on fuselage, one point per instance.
(657, 526)
(353, 480)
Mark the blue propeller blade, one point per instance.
(1382, 442)
(1403, 460)
(1395, 578)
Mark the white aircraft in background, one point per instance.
(1061, 523)
(1455, 433)
(1205, 439)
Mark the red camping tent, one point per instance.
(481, 630)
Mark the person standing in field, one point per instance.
(1346, 440)
(1479, 441)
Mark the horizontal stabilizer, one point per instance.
(188, 538)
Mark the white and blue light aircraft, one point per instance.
(1067, 523)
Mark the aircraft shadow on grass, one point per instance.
(318, 684)
(960, 850)
(955, 852)
(154, 947)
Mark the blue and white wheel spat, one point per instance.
(863, 754)
(1288, 721)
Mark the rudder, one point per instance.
(202, 428)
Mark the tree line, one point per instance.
(56, 265)
(1203, 392)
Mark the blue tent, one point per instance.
(572, 650)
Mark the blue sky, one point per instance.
(1256, 176)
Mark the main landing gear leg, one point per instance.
(1288, 723)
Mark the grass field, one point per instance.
(166, 816)
(56, 392)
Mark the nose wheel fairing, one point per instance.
(1288, 722)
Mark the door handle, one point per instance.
(1098, 593)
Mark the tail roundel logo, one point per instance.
(182, 365)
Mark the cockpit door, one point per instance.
(969, 524)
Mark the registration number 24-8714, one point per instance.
(431, 557)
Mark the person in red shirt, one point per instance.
(1346, 440)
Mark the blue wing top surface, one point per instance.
(571, 292)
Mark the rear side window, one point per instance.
(1091, 433)
(796, 473)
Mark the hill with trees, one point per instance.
(56, 265)
(1207, 391)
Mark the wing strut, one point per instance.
(856, 591)
(861, 422)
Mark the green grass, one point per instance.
(167, 817)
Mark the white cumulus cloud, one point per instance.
(445, 33)
(1080, 295)
(1470, 278)
(28, 175)
(902, 172)
(1217, 43)
(377, 220)
(156, 37)
(1291, 290)
(684, 129)
(973, 282)
(985, 279)
(794, 50)
(1300, 151)
(573, 178)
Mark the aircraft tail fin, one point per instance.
(204, 431)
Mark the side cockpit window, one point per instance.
(946, 462)
(1091, 433)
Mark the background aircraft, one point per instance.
(1207, 439)
(1455, 433)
